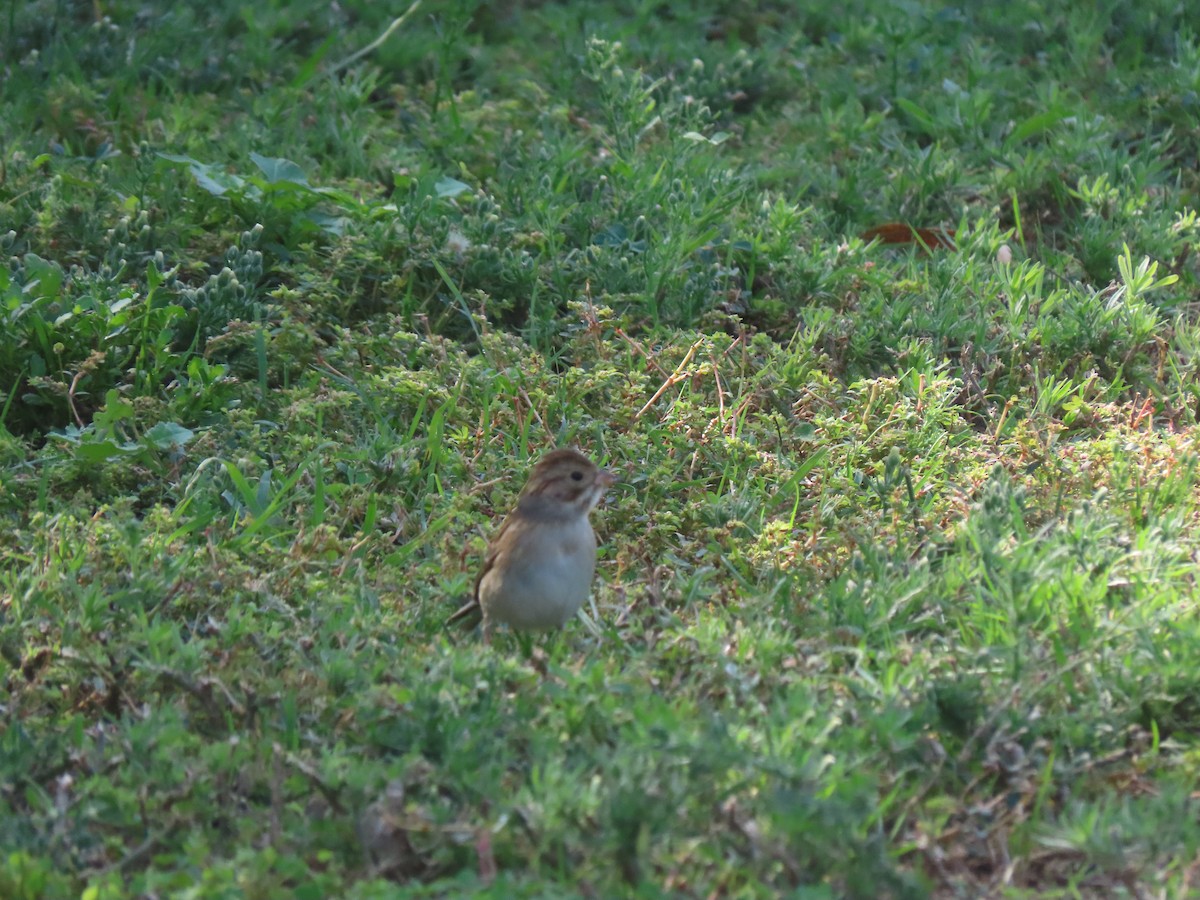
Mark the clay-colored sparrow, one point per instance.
(539, 566)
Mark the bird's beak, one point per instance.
(606, 478)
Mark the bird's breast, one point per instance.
(546, 583)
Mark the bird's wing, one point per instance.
(493, 554)
(472, 607)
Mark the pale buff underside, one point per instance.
(544, 580)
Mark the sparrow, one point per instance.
(538, 568)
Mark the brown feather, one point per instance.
(473, 607)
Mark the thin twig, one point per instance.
(650, 363)
(71, 397)
(673, 379)
(355, 57)
(720, 393)
(529, 403)
(330, 792)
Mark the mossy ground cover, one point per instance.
(897, 593)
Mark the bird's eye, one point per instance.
(577, 476)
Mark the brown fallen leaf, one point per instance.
(902, 233)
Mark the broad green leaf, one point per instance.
(612, 236)
(450, 187)
(917, 114)
(99, 451)
(278, 169)
(168, 435)
(335, 225)
(1035, 125)
(213, 179)
(45, 277)
(716, 140)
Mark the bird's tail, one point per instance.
(469, 615)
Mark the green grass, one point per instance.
(897, 596)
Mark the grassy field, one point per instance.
(897, 594)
